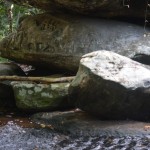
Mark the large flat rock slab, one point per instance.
(57, 41)
(79, 123)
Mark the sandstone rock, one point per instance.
(103, 8)
(81, 124)
(35, 97)
(111, 86)
(58, 41)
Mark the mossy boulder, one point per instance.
(36, 97)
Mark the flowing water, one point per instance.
(14, 137)
(21, 134)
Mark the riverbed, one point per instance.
(15, 137)
(20, 133)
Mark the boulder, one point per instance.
(57, 41)
(103, 8)
(10, 69)
(6, 93)
(40, 97)
(111, 86)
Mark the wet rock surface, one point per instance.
(31, 96)
(21, 133)
(111, 86)
(79, 123)
(57, 41)
(14, 137)
(45, 139)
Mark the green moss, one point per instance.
(4, 60)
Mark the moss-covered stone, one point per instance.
(34, 97)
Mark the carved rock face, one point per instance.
(6, 93)
(102, 8)
(59, 41)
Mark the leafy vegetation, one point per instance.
(17, 11)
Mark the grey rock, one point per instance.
(57, 41)
(36, 97)
(111, 86)
(103, 8)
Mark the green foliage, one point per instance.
(4, 60)
(18, 11)
(3, 18)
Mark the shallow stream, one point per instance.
(19, 133)
(14, 137)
